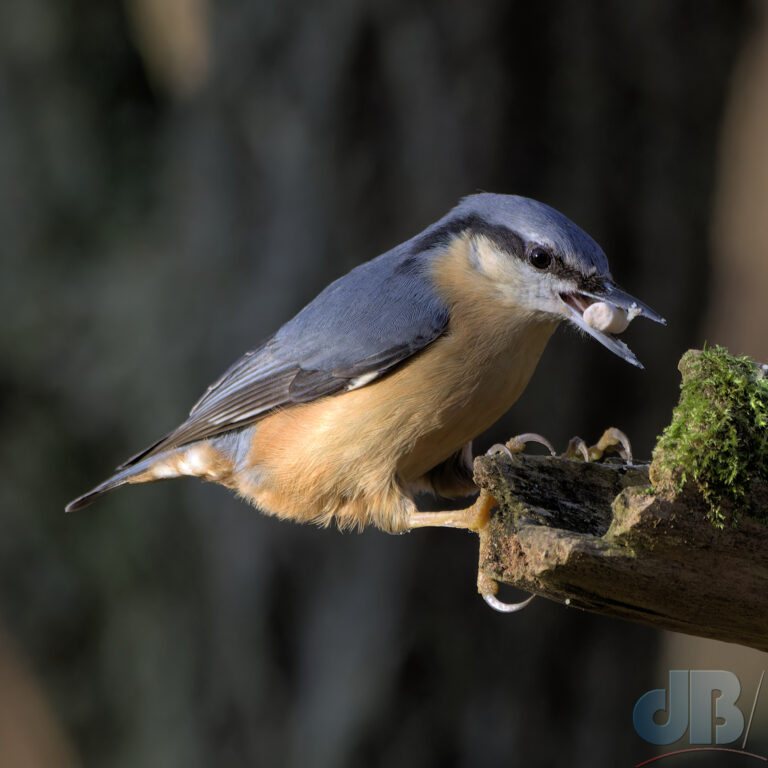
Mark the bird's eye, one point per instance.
(540, 258)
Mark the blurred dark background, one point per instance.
(177, 179)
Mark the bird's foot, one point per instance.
(612, 440)
(475, 518)
(478, 517)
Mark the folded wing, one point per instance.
(356, 330)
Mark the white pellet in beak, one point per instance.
(606, 313)
(603, 317)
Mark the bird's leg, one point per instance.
(473, 518)
(477, 518)
(611, 438)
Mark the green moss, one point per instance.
(718, 437)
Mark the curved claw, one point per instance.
(577, 445)
(502, 607)
(497, 448)
(517, 443)
(613, 437)
(488, 588)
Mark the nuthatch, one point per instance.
(375, 390)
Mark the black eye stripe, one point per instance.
(506, 240)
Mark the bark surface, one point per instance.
(596, 536)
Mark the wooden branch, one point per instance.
(595, 536)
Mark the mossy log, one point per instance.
(636, 541)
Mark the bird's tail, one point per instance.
(195, 460)
(141, 472)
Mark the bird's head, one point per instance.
(538, 261)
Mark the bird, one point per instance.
(373, 392)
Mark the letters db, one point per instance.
(696, 701)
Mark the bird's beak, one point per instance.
(577, 302)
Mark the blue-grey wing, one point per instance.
(357, 329)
